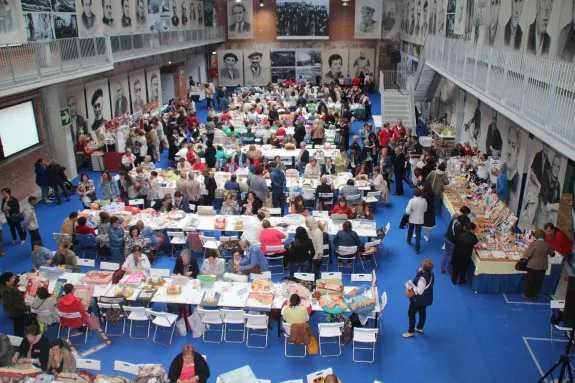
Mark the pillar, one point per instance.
(459, 113)
(181, 81)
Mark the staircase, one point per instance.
(423, 82)
(398, 105)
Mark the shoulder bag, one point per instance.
(404, 221)
(521, 264)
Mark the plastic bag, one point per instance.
(196, 325)
(181, 327)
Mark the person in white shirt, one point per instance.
(312, 170)
(316, 236)
(482, 169)
(379, 184)
(253, 227)
(416, 209)
(137, 261)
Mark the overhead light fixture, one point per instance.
(169, 62)
(345, 4)
(214, 52)
(238, 1)
(261, 3)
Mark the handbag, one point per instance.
(521, 264)
(312, 346)
(409, 293)
(404, 221)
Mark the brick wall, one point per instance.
(17, 172)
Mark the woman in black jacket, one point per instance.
(301, 252)
(40, 170)
(211, 186)
(251, 205)
(462, 252)
(210, 155)
(11, 208)
(36, 345)
(13, 301)
(55, 177)
(186, 265)
(188, 365)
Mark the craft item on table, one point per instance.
(361, 304)
(207, 281)
(179, 279)
(98, 277)
(134, 278)
(131, 209)
(176, 215)
(329, 286)
(155, 281)
(52, 272)
(19, 372)
(173, 289)
(294, 219)
(261, 284)
(34, 282)
(220, 224)
(241, 375)
(259, 301)
(332, 303)
(146, 294)
(123, 291)
(289, 146)
(59, 288)
(210, 299)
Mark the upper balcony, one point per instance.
(537, 94)
(24, 67)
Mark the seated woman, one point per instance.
(199, 165)
(270, 236)
(69, 224)
(136, 261)
(298, 207)
(229, 206)
(251, 204)
(34, 349)
(213, 265)
(362, 211)
(44, 306)
(362, 171)
(151, 239)
(70, 304)
(86, 190)
(254, 261)
(60, 359)
(134, 238)
(233, 185)
(164, 205)
(66, 257)
(342, 208)
(147, 165)
(189, 366)
(186, 265)
(233, 272)
(293, 313)
(231, 165)
(347, 237)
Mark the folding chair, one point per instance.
(77, 315)
(106, 304)
(209, 243)
(361, 277)
(263, 275)
(125, 367)
(256, 323)
(109, 266)
(353, 199)
(211, 318)
(287, 332)
(275, 260)
(136, 202)
(326, 199)
(369, 252)
(347, 254)
(164, 273)
(320, 214)
(233, 318)
(364, 336)
(275, 211)
(165, 320)
(137, 314)
(86, 262)
(325, 257)
(308, 198)
(88, 364)
(332, 275)
(15, 341)
(86, 242)
(305, 276)
(177, 238)
(330, 331)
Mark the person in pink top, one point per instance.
(270, 236)
(189, 367)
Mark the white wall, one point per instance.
(196, 66)
(168, 91)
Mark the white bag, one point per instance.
(196, 325)
(181, 327)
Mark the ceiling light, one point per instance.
(213, 52)
(238, 1)
(261, 3)
(169, 62)
(345, 4)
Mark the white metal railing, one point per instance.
(128, 47)
(38, 61)
(381, 93)
(542, 91)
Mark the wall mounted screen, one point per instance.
(18, 130)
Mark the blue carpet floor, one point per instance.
(468, 337)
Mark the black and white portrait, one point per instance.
(98, 97)
(109, 22)
(302, 19)
(283, 58)
(89, 15)
(65, 25)
(39, 26)
(493, 142)
(120, 93)
(12, 25)
(76, 102)
(280, 74)
(63, 5)
(538, 37)
(478, 20)
(208, 13)
(230, 67)
(159, 15)
(141, 17)
(361, 60)
(514, 23)
(184, 14)
(137, 90)
(543, 188)
(175, 14)
(126, 21)
(154, 86)
(36, 6)
(240, 20)
(308, 64)
(566, 38)
(493, 30)
(368, 19)
(335, 65)
(200, 10)
(459, 19)
(472, 121)
(391, 19)
(515, 141)
(441, 17)
(256, 67)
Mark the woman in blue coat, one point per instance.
(41, 180)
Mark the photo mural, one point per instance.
(302, 19)
(240, 20)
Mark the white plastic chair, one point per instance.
(256, 323)
(15, 341)
(305, 276)
(88, 364)
(557, 305)
(287, 332)
(160, 273)
(277, 258)
(372, 197)
(137, 314)
(125, 367)
(365, 336)
(109, 266)
(136, 202)
(353, 199)
(332, 275)
(263, 275)
(320, 214)
(361, 277)
(233, 318)
(83, 262)
(177, 238)
(330, 331)
(325, 257)
(346, 254)
(377, 316)
(209, 243)
(371, 255)
(104, 307)
(275, 211)
(211, 318)
(165, 320)
(76, 315)
(326, 198)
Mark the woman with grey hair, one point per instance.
(316, 236)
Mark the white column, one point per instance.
(60, 138)
(459, 114)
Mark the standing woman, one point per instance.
(189, 366)
(211, 186)
(11, 209)
(142, 145)
(537, 262)
(421, 290)
(174, 142)
(109, 186)
(86, 190)
(344, 133)
(13, 301)
(301, 252)
(462, 253)
(128, 189)
(41, 179)
(429, 216)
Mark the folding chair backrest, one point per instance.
(365, 331)
(287, 328)
(86, 262)
(374, 194)
(258, 320)
(305, 276)
(308, 194)
(125, 367)
(383, 300)
(88, 364)
(275, 211)
(86, 240)
(110, 266)
(373, 243)
(15, 341)
(159, 272)
(361, 277)
(174, 234)
(347, 250)
(271, 249)
(229, 315)
(136, 202)
(332, 275)
(208, 315)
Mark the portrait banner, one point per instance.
(368, 15)
(308, 64)
(89, 16)
(256, 67)
(240, 20)
(153, 84)
(361, 60)
(98, 100)
(65, 25)
(13, 25)
(335, 64)
(137, 90)
(302, 19)
(76, 102)
(120, 95)
(39, 26)
(230, 67)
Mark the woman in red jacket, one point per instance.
(342, 208)
(69, 304)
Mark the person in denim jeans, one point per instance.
(301, 252)
(416, 209)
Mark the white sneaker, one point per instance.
(426, 239)
(408, 335)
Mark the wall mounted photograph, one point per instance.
(280, 74)
(240, 20)
(76, 102)
(391, 19)
(368, 19)
(65, 25)
(39, 26)
(335, 64)
(137, 90)
(159, 15)
(256, 67)
(36, 6)
(283, 58)
(120, 95)
(230, 67)
(302, 19)
(89, 16)
(13, 24)
(208, 13)
(361, 60)
(98, 97)
(154, 84)
(64, 5)
(514, 155)
(308, 63)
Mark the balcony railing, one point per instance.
(129, 47)
(539, 91)
(25, 64)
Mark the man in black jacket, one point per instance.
(462, 252)
(454, 228)
(399, 170)
(54, 178)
